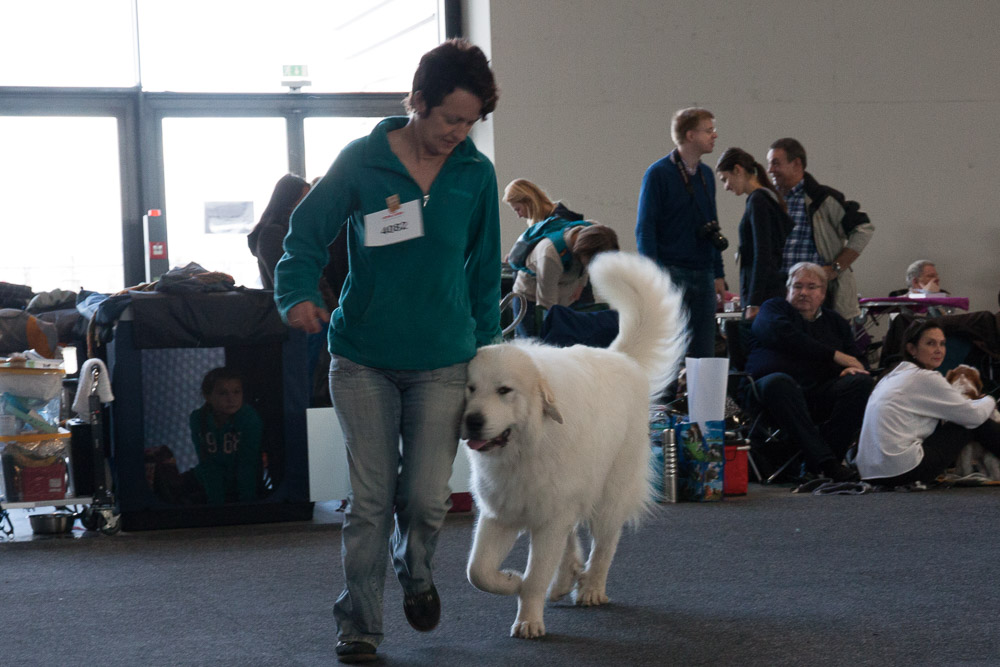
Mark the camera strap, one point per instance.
(679, 163)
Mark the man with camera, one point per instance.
(677, 224)
(829, 229)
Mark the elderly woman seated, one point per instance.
(808, 378)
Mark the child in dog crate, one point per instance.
(227, 437)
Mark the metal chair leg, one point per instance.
(754, 468)
(782, 468)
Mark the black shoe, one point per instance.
(355, 652)
(423, 610)
(839, 472)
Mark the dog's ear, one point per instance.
(549, 408)
(977, 379)
(950, 375)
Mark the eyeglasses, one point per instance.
(709, 130)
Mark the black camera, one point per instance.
(710, 232)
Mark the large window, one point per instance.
(60, 203)
(325, 137)
(219, 173)
(217, 46)
(356, 46)
(111, 108)
(68, 43)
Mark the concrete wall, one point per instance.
(895, 101)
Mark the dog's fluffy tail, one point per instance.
(652, 320)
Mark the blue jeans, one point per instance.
(700, 300)
(408, 482)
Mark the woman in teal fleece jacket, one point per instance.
(421, 207)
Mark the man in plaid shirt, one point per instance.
(829, 229)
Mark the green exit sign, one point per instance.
(294, 70)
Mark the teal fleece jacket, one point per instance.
(420, 304)
(229, 461)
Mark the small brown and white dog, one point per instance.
(973, 457)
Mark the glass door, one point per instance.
(326, 136)
(218, 176)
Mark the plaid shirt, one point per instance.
(799, 246)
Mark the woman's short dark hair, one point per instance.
(456, 63)
(912, 336)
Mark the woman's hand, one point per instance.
(851, 370)
(750, 312)
(306, 316)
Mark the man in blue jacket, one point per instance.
(674, 225)
(802, 357)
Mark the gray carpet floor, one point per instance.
(772, 578)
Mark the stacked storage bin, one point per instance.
(34, 451)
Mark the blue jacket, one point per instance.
(782, 341)
(417, 305)
(668, 218)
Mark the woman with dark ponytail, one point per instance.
(763, 229)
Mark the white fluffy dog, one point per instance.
(560, 437)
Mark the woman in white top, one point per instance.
(916, 423)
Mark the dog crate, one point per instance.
(162, 347)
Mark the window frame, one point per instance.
(140, 136)
(140, 120)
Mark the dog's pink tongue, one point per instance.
(475, 444)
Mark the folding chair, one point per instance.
(507, 302)
(751, 424)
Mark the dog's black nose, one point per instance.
(474, 422)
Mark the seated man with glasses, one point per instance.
(809, 380)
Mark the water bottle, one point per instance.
(670, 465)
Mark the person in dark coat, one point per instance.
(763, 229)
(802, 356)
(268, 234)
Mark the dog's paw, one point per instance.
(560, 590)
(527, 629)
(590, 597)
(565, 580)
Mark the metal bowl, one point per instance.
(51, 524)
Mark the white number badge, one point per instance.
(395, 224)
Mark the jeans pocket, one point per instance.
(456, 374)
(343, 366)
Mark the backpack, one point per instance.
(550, 228)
